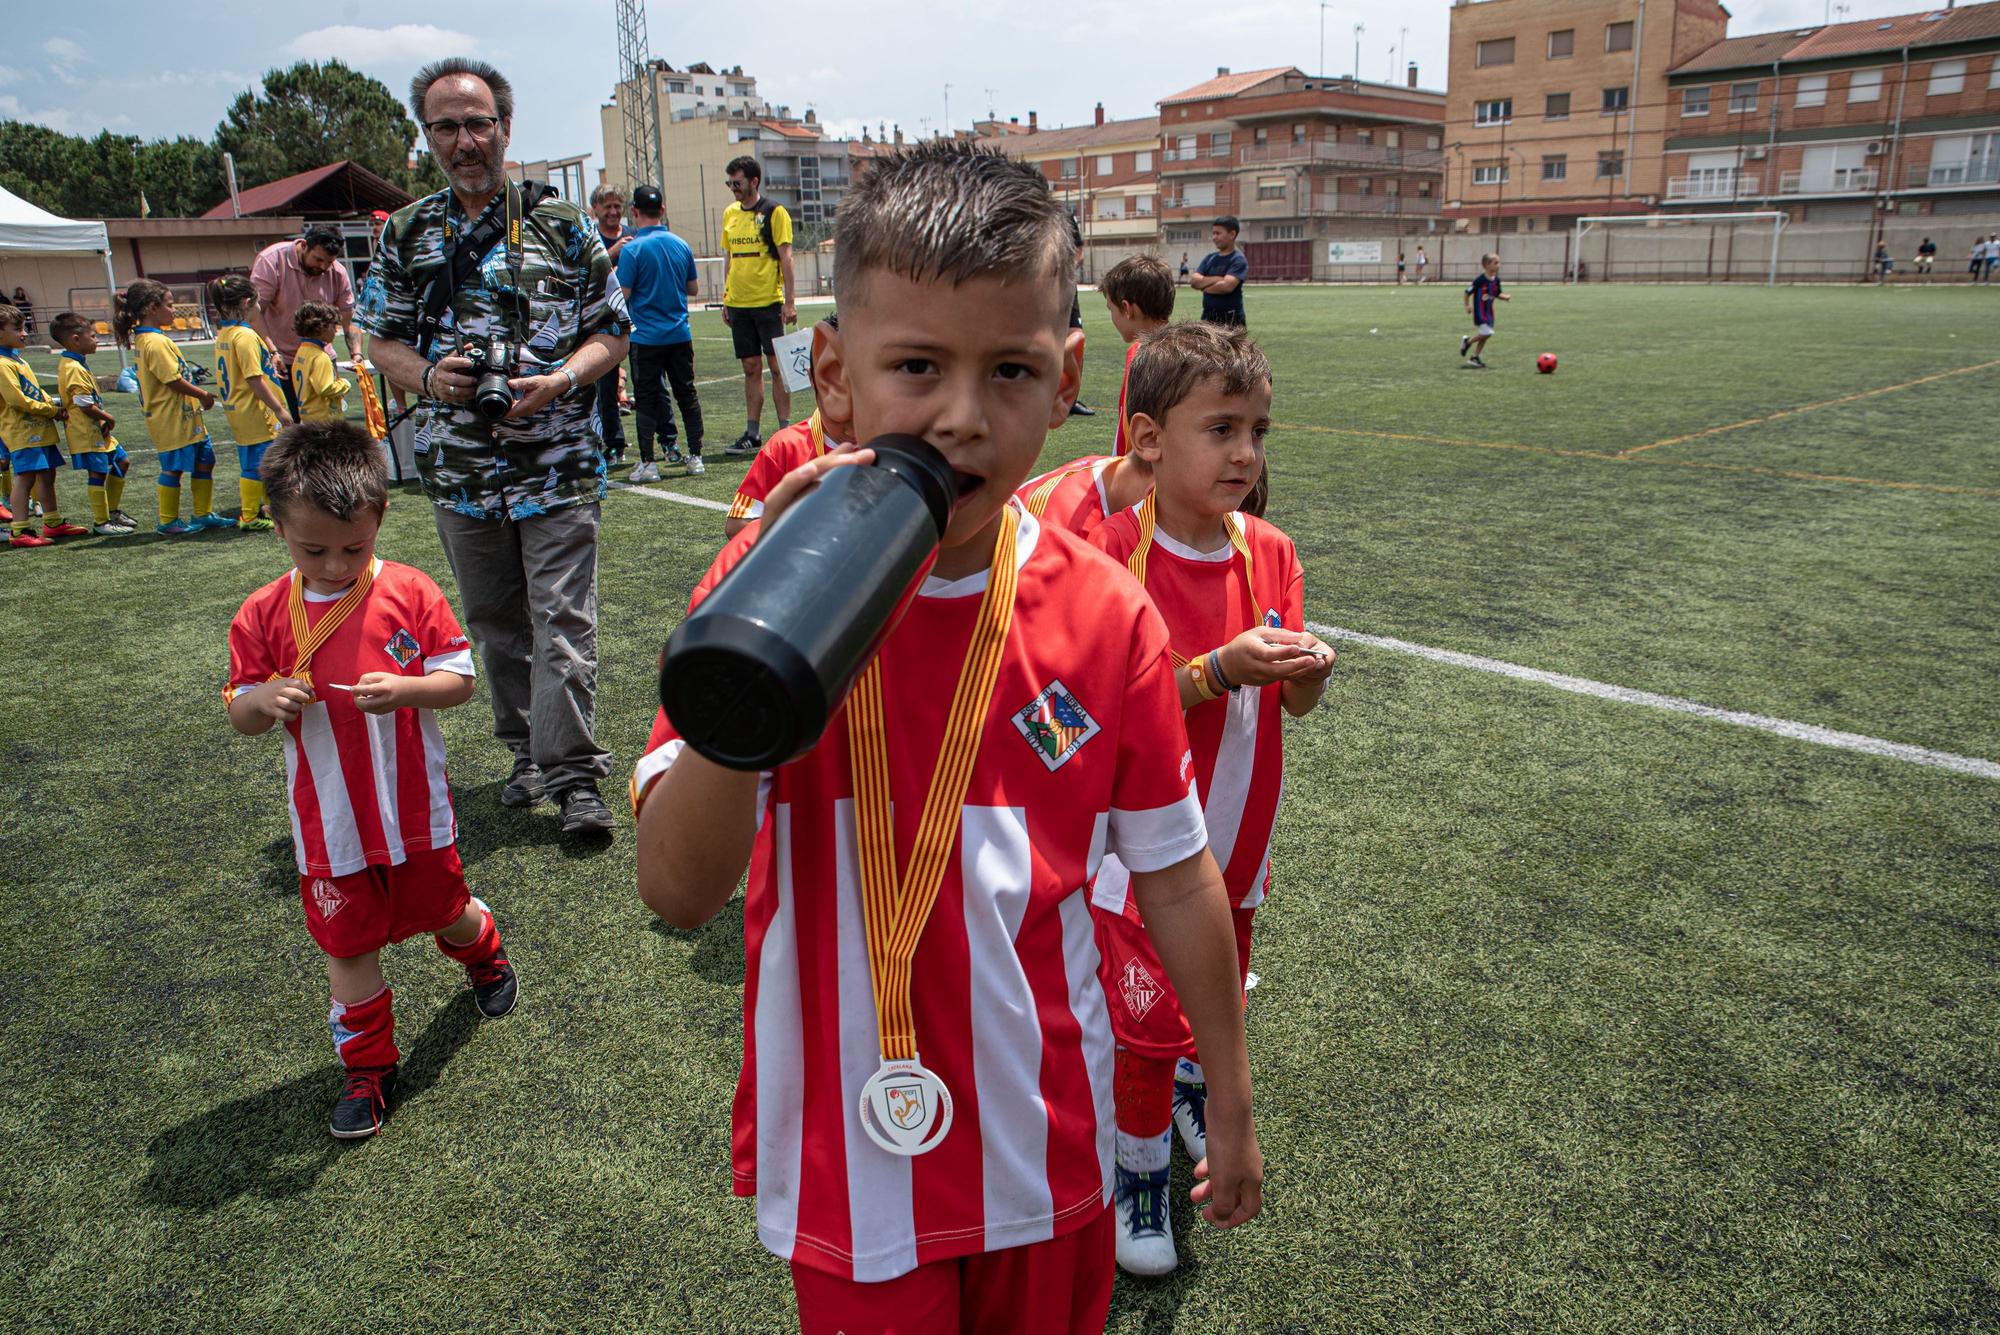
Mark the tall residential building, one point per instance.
(1558, 108)
(1298, 159)
(1106, 174)
(1830, 123)
(708, 118)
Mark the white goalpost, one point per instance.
(1586, 225)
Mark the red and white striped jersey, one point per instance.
(1070, 497)
(366, 790)
(1122, 444)
(1082, 754)
(1238, 740)
(788, 448)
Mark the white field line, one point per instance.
(1798, 732)
(699, 502)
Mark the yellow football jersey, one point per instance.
(173, 419)
(76, 385)
(27, 415)
(240, 358)
(320, 389)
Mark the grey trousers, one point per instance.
(529, 588)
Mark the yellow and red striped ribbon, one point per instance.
(1038, 499)
(307, 638)
(896, 909)
(1136, 562)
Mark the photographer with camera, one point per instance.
(492, 303)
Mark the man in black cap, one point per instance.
(656, 269)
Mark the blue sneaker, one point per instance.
(1191, 1110)
(212, 520)
(178, 528)
(1145, 1243)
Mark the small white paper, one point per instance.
(795, 355)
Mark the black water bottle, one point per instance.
(754, 673)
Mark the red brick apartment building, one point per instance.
(1107, 174)
(1557, 108)
(1298, 159)
(1832, 123)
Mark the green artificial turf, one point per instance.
(1574, 1015)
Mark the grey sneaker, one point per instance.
(584, 812)
(695, 466)
(645, 473)
(524, 787)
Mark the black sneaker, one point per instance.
(363, 1104)
(524, 786)
(1463, 343)
(1080, 409)
(583, 811)
(1476, 364)
(745, 444)
(494, 986)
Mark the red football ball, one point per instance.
(1546, 363)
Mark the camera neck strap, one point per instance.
(895, 908)
(463, 254)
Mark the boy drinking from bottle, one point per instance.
(1232, 593)
(917, 927)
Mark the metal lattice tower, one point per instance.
(639, 100)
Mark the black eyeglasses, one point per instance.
(477, 126)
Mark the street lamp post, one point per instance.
(1359, 28)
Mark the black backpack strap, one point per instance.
(765, 208)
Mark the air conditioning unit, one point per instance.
(1754, 155)
(1876, 148)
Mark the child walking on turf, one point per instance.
(93, 450)
(28, 419)
(1232, 593)
(1077, 496)
(315, 379)
(248, 378)
(352, 655)
(923, 952)
(174, 405)
(1480, 295)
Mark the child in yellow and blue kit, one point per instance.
(28, 420)
(174, 406)
(93, 450)
(315, 380)
(247, 377)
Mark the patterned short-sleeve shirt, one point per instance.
(521, 467)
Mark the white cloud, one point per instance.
(64, 119)
(8, 74)
(404, 44)
(62, 48)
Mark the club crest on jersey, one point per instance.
(327, 898)
(1139, 988)
(1055, 725)
(403, 647)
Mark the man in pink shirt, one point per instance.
(288, 274)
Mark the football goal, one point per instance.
(1657, 247)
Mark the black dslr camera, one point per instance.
(492, 360)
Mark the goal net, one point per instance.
(1677, 247)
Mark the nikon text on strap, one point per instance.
(463, 257)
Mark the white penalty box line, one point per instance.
(1798, 732)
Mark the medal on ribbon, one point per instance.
(307, 638)
(905, 1107)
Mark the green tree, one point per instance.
(313, 114)
(182, 178)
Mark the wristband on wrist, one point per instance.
(1215, 671)
(572, 379)
(424, 385)
(1203, 687)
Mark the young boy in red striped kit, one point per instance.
(1232, 593)
(352, 655)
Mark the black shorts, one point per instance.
(754, 327)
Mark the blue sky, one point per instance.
(172, 69)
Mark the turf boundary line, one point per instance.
(1798, 732)
(1806, 408)
(699, 502)
(1605, 456)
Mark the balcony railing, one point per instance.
(1353, 155)
(1195, 154)
(1839, 181)
(1714, 185)
(1409, 205)
(1939, 175)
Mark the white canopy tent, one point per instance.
(27, 230)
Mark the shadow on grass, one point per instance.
(718, 944)
(275, 1145)
(280, 867)
(487, 824)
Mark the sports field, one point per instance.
(1576, 1012)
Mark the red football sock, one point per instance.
(481, 948)
(364, 1032)
(1143, 1091)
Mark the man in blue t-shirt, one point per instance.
(656, 269)
(1219, 277)
(1479, 299)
